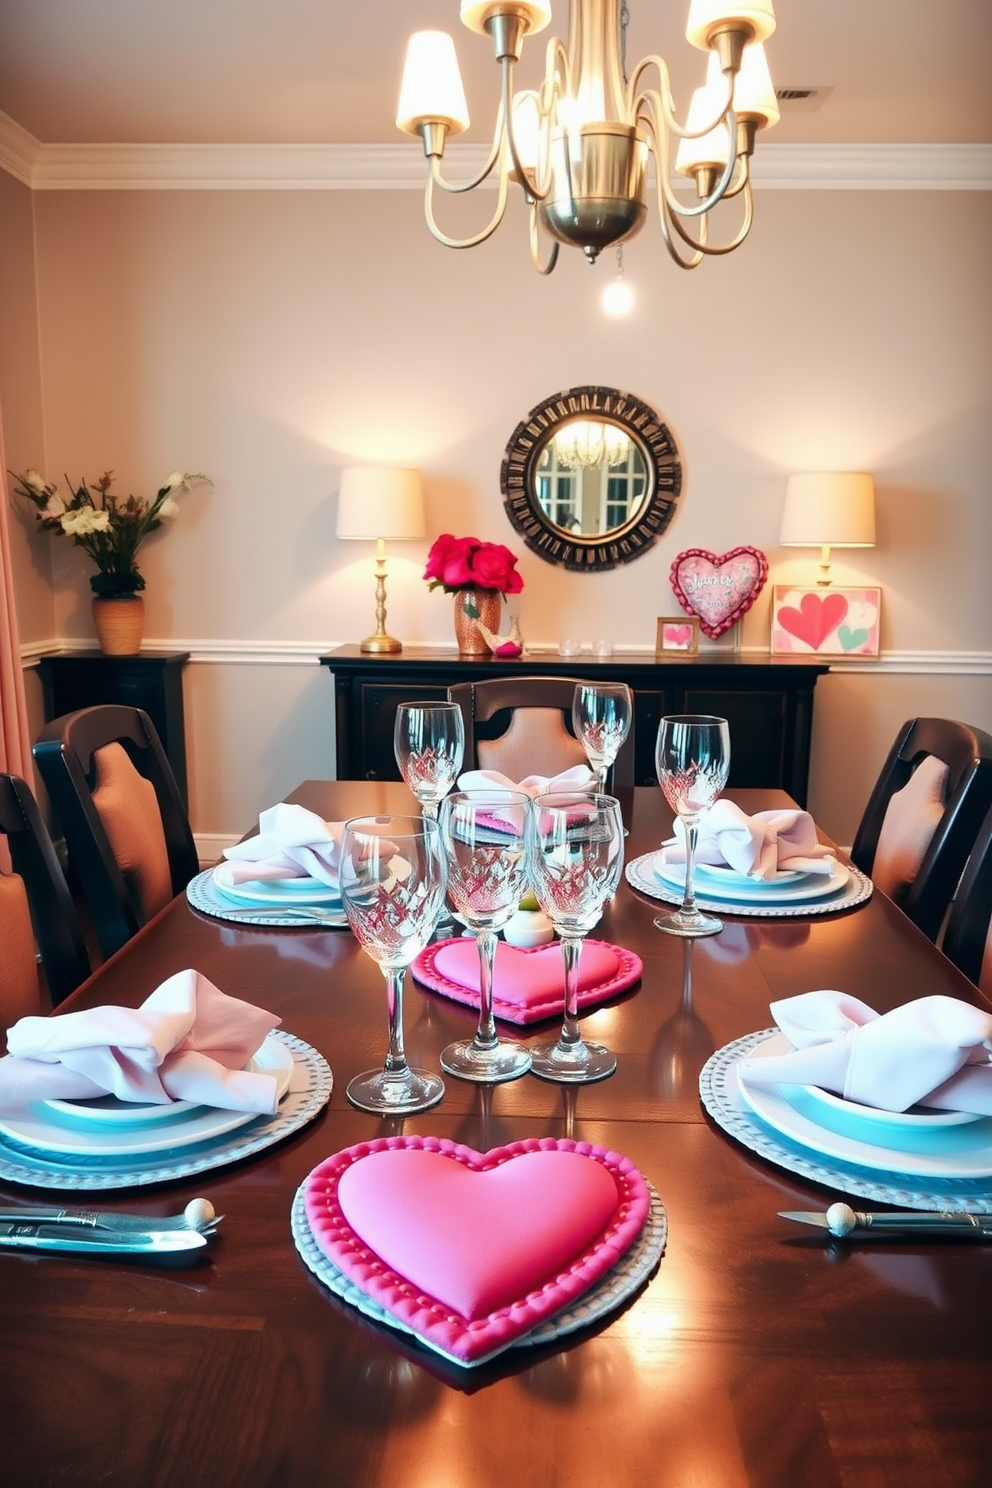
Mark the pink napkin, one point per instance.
(931, 1052)
(757, 845)
(578, 778)
(291, 843)
(187, 1041)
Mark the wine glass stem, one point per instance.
(485, 1037)
(691, 827)
(601, 775)
(428, 809)
(396, 1057)
(571, 950)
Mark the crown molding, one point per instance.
(401, 167)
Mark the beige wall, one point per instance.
(271, 337)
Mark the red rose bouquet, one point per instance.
(457, 563)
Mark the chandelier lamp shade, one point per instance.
(579, 145)
(829, 509)
(380, 503)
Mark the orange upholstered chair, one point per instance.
(125, 825)
(534, 738)
(37, 915)
(924, 814)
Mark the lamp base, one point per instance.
(380, 644)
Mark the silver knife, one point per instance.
(841, 1220)
(83, 1241)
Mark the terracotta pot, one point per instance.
(119, 624)
(471, 607)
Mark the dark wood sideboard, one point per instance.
(152, 680)
(768, 701)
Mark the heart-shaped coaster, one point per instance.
(528, 983)
(471, 1250)
(718, 590)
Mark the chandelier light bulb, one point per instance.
(618, 298)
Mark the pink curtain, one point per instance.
(15, 740)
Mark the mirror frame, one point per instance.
(518, 484)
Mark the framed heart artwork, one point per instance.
(825, 621)
(718, 590)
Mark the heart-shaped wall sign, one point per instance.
(527, 982)
(471, 1250)
(718, 590)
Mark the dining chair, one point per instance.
(924, 814)
(116, 799)
(535, 738)
(37, 915)
(968, 936)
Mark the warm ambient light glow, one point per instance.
(828, 509)
(376, 503)
(581, 157)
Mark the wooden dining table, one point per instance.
(758, 1353)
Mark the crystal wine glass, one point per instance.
(392, 885)
(601, 716)
(429, 741)
(483, 834)
(692, 757)
(575, 861)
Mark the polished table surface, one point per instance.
(755, 1354)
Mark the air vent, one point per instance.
(802, 100)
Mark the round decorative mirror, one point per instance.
(590, 478)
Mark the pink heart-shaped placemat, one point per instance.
(471, 1250)
(718, 590)
(528, 983)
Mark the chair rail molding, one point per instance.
(399, 167)
(308, 653)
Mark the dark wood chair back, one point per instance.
(542, 745)
(924, 814)
(116, 799)
(968, 937)
(55, 924)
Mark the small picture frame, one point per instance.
(828, 620)
(677, 634)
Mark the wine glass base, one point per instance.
(386, 1093)
(688, 925)
(572, 1064)
(467, 1061)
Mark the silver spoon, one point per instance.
(199, 1216)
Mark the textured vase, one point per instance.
(471, 607)
(119, 624)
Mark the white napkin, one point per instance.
(187, 1041)
(291, 843)
(758, 845)
(577, 778)
(931, 1052)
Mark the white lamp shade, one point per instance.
(380, 501)
(431, 91)
(535, 14)
(754, 92)
(708, 16)
(830, 508)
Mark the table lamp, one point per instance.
(829, 509)
(380, 503)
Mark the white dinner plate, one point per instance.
(739, 889)
(723, 873)
(918, 1118)
(36, 1126)
(278, 891)
(963, 1151)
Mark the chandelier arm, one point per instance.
(531, 187)
(717, 250)
(659, 137)
(667, 220)
(557, 75)
(453, 188)
(535, 245)
(666, 103)
(480, 237)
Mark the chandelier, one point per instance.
(584, 444)
(578, 146)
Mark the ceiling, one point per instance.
(328, 72)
